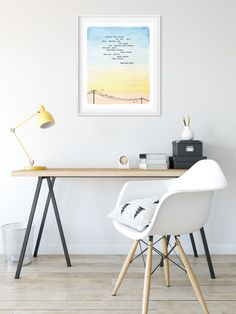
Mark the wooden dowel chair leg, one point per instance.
(166, 261)
(192, 277)
(125, 267)
(147, 279)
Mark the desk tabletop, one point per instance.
(98, 172)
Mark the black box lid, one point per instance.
(187, 142)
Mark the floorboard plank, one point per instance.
(47, 286)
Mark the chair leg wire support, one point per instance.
(148, 269)
(159, 253)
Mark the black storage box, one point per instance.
(187, 148)
(180, 162)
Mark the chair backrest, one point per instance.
(205, 175)
(186, 206)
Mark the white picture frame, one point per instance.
(119, 70)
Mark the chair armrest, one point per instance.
(140, 189)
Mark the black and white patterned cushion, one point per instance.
(136, 214)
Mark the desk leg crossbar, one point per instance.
(50, 197)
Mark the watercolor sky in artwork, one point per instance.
(118, 64)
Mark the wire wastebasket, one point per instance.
(13, 236)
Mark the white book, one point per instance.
(142, 166)
(156, 162)
(157, 167)
(146, 166)
(143, 161)
(155, 156)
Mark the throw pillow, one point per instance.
(136, 214)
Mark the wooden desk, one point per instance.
(50, 176)
(99, 172)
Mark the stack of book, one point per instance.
(153, 161)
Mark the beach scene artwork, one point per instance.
(118, 65)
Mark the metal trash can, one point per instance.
(13, 236)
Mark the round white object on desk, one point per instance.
(123, 162)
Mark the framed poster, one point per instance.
(119, 65)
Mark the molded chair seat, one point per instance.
(184, 207)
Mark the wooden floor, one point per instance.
(47, 286)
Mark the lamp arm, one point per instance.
(31, 161)
(25, 121)
(13, 130)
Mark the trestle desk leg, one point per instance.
(28, 228)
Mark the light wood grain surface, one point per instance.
(47, 286)
(98, 172)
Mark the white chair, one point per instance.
(184, 207)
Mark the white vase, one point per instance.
(187, 134)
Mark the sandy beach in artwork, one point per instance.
(118, 65)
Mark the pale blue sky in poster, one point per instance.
(133, 40)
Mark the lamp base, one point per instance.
(30, 168)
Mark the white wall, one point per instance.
(38, 64)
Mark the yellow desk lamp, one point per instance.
(45, 120)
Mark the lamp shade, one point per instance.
(45, 118)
